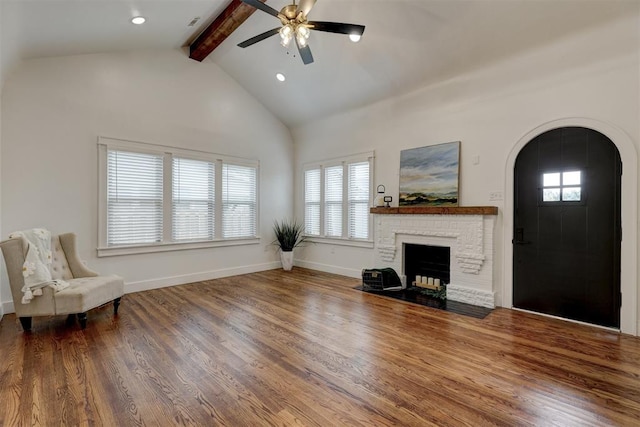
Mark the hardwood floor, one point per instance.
(303, 348)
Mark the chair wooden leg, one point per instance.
(82, 318)
(116, 304)
(71, 319)
(26, 323)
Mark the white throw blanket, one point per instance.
(35, 269)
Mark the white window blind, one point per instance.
(193, 199)
(239, 196)
(156, 198)
(333, 185)
(337, 198)
(134, 198)
(358, 197)
(312, 202)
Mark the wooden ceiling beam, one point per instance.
(226, 23)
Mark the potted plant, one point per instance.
(289, 234)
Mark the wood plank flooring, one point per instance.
(304, 348)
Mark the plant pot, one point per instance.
(287, 260)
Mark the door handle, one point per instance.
(519, 240)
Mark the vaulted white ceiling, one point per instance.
(406, 44)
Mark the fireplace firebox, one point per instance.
(427, 260)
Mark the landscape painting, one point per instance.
(429, 175)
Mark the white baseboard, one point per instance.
(163, 282)
(7, 307)
(349, 272)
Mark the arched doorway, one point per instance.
(567, 226)
(629, 255)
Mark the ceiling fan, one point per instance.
(295, 26)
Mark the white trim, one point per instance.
(146, 147)
(165, 247)
(163, 282)
(340, 241)
(628, 270)
(336, 161)
(7, 307)
(349, 272)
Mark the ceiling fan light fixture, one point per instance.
(302, 41)
(302, 35)
(303, 31)
(286, 34)
(286, 41)
(294, 23)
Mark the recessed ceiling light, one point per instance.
(138, 20)
(280, 77)
(354, 37)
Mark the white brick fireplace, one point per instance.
(469, 235)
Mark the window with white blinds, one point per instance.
(337, 196)
(333, 184)
(358, 187)
(238, 201)
(312, 202)
(161, 196)
(134, 198)
(193, 202)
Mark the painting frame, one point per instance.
(430, 175)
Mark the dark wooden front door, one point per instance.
(567, 228)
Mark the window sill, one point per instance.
(167, 247)
(340, 241)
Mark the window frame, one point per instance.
(168, 153)
(344, 239)
(583, 187)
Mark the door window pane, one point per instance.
(551, 195)
(571, 178)
(551, 179)
(571, 194)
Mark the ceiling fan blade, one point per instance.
(336, 27)
(259, 37)
(263, 7)
(305, 6)
(305, 53)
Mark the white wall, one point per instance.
(54, 109)
(591, 75)
(2, 74)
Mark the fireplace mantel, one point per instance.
(437, 210)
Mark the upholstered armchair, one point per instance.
(86, 290)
